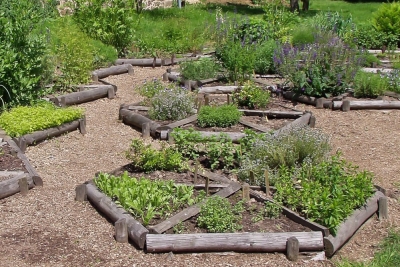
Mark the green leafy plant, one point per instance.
(143, 198)
(264, 62)
(251, 96)
(220, 116)
(290, 149)
(200, 69)
(329, 191)
(367, 37)
(369, 84)
(150, 88)
(386, 19)
(148, 159)
(218, 216)
(23, 119)
(172, 104)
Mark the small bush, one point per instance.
(148, 159)
(23, 120)
(264, 58)
(171, 104)
(369, 60)
(302, 36)
(393, 80)
(221, 116)
(251, 96)
(366, 36)
(198, 70)
(369, 84)
(386, 19)
(150, 88)
(218, 216)
(289, 149)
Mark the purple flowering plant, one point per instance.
(324, 68)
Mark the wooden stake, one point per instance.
(207, 186)
(312, 121)
(292, 248)
(62, 102)
(111, 93)
(165, 77)
(346, 105)
(228, 99)
(80, 193)
(382, 208)
(206, 99)
(23, 186)
(196, 170)
(319, 103)
(82, 125)
(246, 191)
(121, 231)
(266, 177)
(252, 179)
(146, 130)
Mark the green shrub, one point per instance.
(303, 35)
(204, 68)
(251, 96)
(23, 120)
(22, 52)
(393, 80)
(366, 36)
(264, 63)
(109, 21)
(146, 199)
(148, 159)
(369, 84)
(330, 190)
(218, 216)
(252, 31)
(172, 104)
(104, 55)
(290, 149)
(150, 88)
(369, 60)
(386, 19)
(221, 116)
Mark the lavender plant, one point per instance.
(321, 69)
(289, 149)
(171, 104)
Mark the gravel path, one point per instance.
(48, 228)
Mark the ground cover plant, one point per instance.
(27, 119)
(146, 199)
(251, 96)
(218, 116)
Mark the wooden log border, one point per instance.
(39, 136)
(113, 70)
(89, 93)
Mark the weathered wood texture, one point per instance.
(302, 121)
(38, 136)
(173, 61)
(306, 99)
(273, 114)
(11, 186)
(74, 98)
(218, 89)
(191, 211)
(136, 231)
(292, 248)
(367, 104)
(144, 62)
(238, 242)
(135, 119)
(348, 227)
(234, 136)
(138, 108)
(174, 78)
(258, 127)
(183, 122)
(114, 70)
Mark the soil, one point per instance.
(9, 160)
(48, 228)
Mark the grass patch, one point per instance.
(24, 120)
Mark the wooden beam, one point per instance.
(100, 91)
(12, 186)
(113, 70)
(302, 121)
(367, 104)
(273, 114)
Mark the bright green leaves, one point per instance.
(221, 116)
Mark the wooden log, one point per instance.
(173, 61)
(207, 186)
(292, 248)
(183, 122)
(80, 193)
(234, 136)
(23, 186)
(146, 130)
(302, 121)
(107, 83)
(38, 136)
(82, 125)
(319, 103)
(349, 226)
(12, 186)
(21, 142)
(121, 231)
(383, 208)
(368, 104)
(191, 211)
(83, 96)
(174, 78)
(207, 81)
(255, 126)
(345, 105)
(138, 108)
(143, 62)
(136, 231)
(218, 89)
(237, 242)
(273, 114)
(135, 119)
(246, 192)
(114, 70)
(300, 98)
(32, 172)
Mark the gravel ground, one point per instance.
(48, 228)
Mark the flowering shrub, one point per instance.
(171, 104)
(393, 80)
(153, 87)
(289, 149)
(323, 68)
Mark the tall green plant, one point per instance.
(386, 19)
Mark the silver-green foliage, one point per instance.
(143, 198)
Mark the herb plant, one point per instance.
(203, 68)
(150, 88)
(218, 116)
(251, 96)
(369, 84)
(218, 216)
(143, 198)
(23, 120)
(148, 159)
